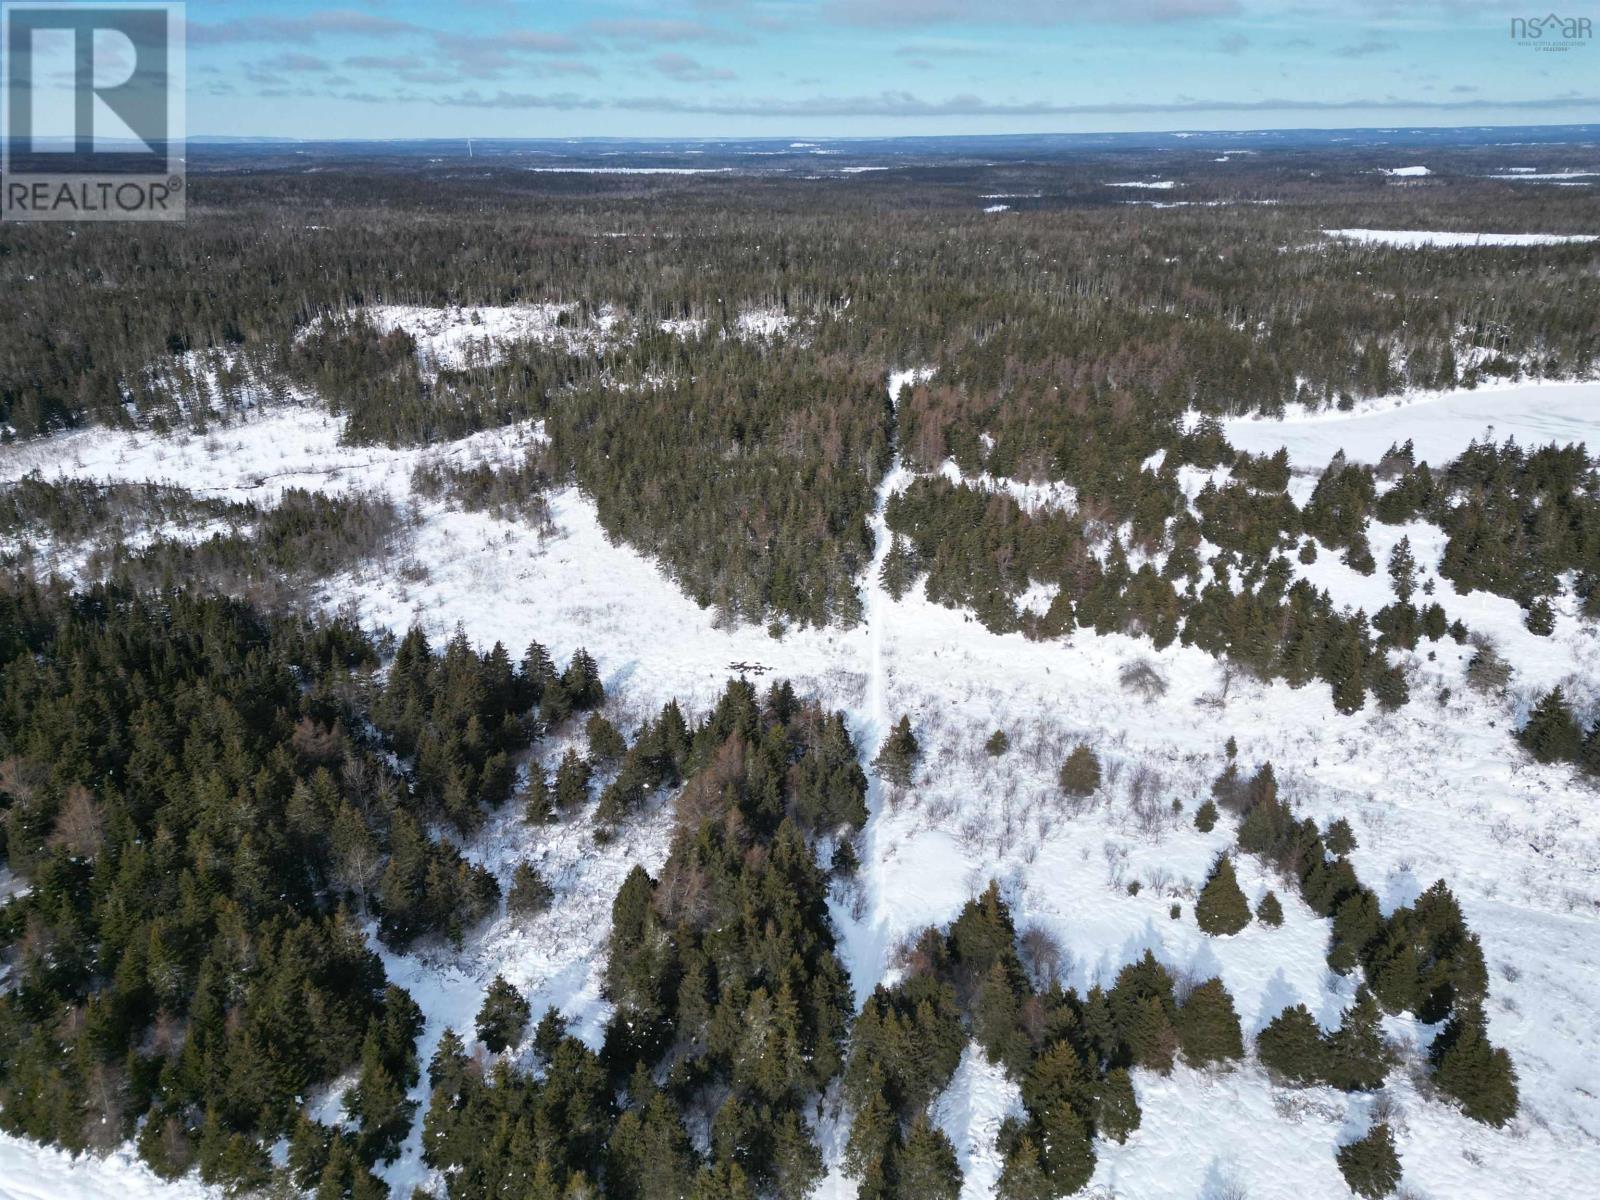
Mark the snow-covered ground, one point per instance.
(477, 335)
(459, 337)
(1439, 424)
(259, 456)
(29, 1171)
(631, 170)
(1030, 497)
(1531, 175)
(1432, 791)
(970, 1111)
(1414, 238)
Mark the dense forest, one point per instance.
(1067, 346)
(206, 805)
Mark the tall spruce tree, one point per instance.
(1552, 733)
(503, 1017)
(1403, 570)
(1208, 1026)
(1023, 1176)
(1116, 1109)
(1222, 908)
(897, 757)
(1370, 1165)
(1080, 773)
(1292, 1046)
(1479, 1075)
(1358, 1057)
(927, 1166)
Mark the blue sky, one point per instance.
(687, 68)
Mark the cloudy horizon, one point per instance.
(689, 68)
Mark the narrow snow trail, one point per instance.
(860, 917)
(864, 934)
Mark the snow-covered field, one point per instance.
(1439, 424)
(631, 170)
(1531, 175)
(29, 1171)
(1431, 791)
(459, 337)
(1415, 238)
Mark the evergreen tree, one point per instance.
(537, 803)
(1205, 817)
(1403, 570)
(1552, 734)
(1058, 1076)
(649, 1156)
(1069, 1157)
(308, 1151)
(1222, 909)
(995, 1022)
(1476, 1073)
(1344, 665)
(606, 744)
(724, 1180)
(1370, 1165)
(538, 671)
(572, 781)
(530, 895)
(503, 1016)
(1389, 686)
(581, 682)
(870, 1151)
(898, 755)
(1339, 838)
(927, 1164)
(1023, 1177)
(1116, 1107)
(1292, 1046)
(549, 1033)
(1270, 911)
(900, 568)
(1540, 618)
(796, 1161)
(378, 1102)
(1208, 1026)
(1589, 757)
(1358, 1058)
(1080, 774)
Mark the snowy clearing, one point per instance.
(631, 170)
(459, 337)
(1532, 176)
(1431, 792)
(29, 1171)
(1439, 424)
(1417, 238)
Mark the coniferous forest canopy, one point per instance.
(226, 805)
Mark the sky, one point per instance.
(787, 68)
